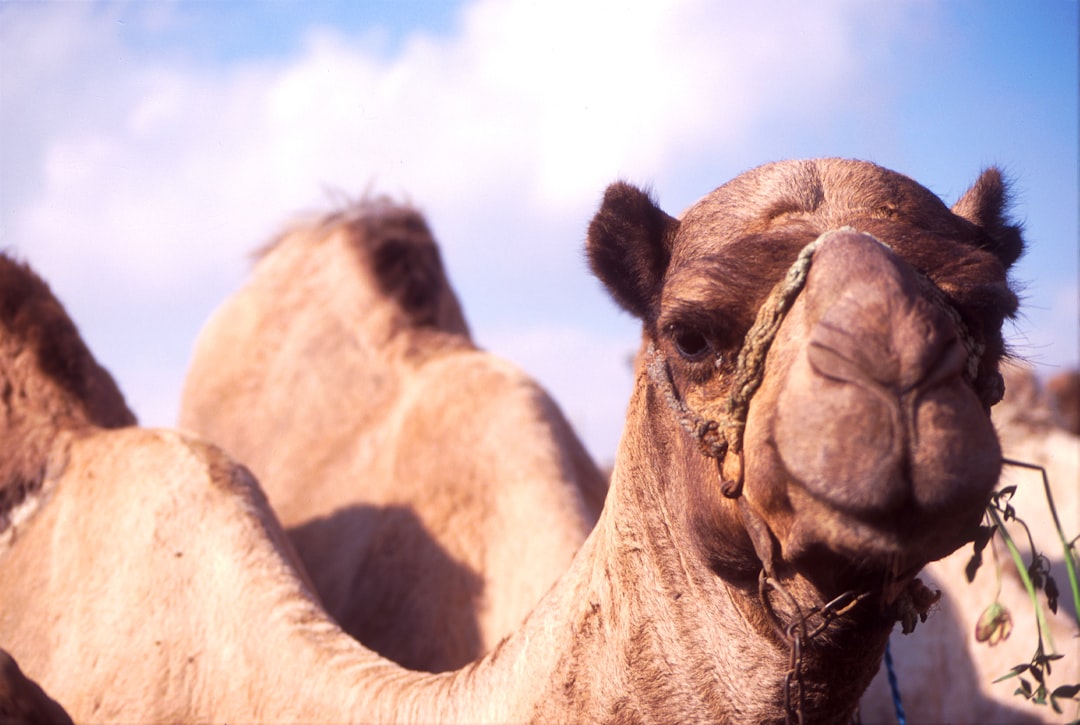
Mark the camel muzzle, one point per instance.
(878, 422)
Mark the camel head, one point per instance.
(820, 354)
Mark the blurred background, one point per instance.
(147, 147)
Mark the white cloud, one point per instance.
(533, 105)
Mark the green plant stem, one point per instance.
(1040, 617)
(1070, 557)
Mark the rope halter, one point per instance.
(717, 436)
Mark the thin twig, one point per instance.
(1040, 616)
(1070, 553)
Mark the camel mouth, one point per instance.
(879, 476)
(902, 539)
(885, 580)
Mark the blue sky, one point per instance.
(229, 31)
(147, 147)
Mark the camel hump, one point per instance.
(392, 250)
(405, 261)
(49, 383)
(394, 245)
(41, 346)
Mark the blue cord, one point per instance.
(901, 718)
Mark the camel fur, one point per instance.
(164, 588)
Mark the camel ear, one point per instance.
(629, 247)
(986, 205)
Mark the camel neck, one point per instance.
(643, 625)
(634, 630)
(638, 628)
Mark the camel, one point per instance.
(232, 350)
(143, 576)
(750, 559)
(943, 673)
(406, 464)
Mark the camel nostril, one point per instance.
(865, 356)
(946, 366)
(885, 335)
(923, 360)
(830, 362)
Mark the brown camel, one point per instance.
(751, 556)
(433, 491)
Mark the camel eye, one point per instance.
(691, 344)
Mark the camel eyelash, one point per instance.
(699, 349)
(690, 343)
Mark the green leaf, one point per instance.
(1044, 660)
(982, 538)
(973, 566)
(1039, 570)
(1016, 670)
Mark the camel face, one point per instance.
(829, 333)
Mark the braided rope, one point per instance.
(705, 432)
(723, 433)
(716, 436)
(750, 366)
